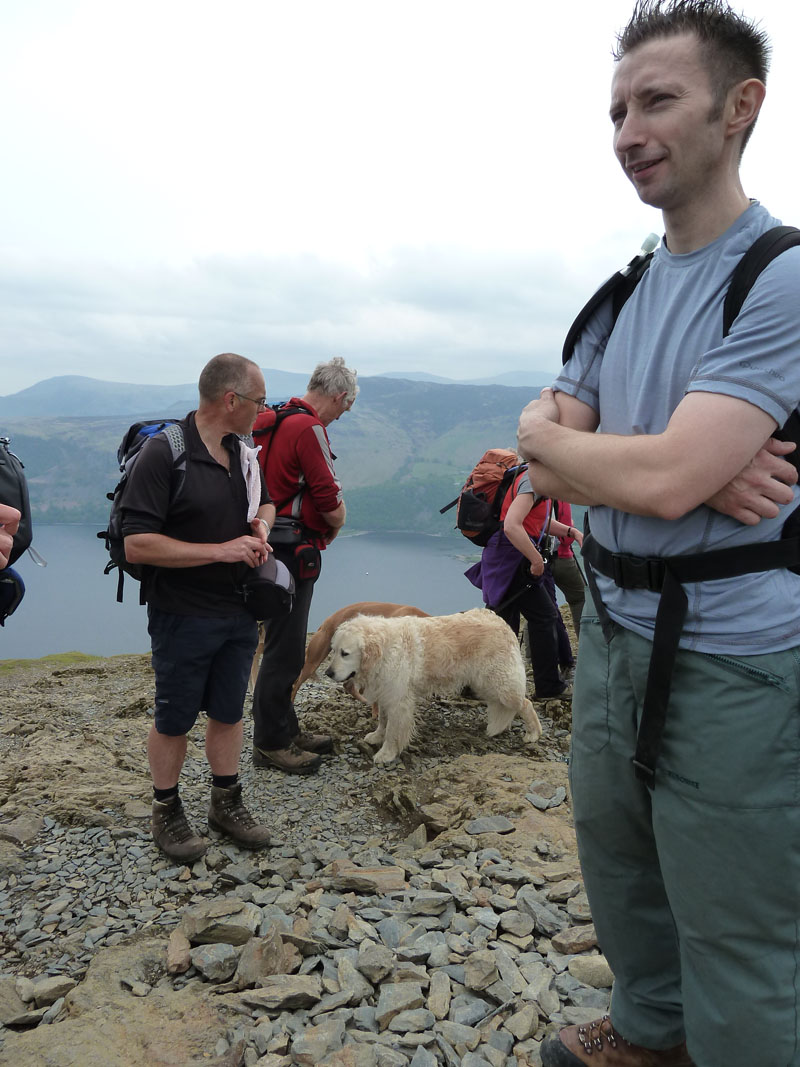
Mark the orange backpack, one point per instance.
(481, 497)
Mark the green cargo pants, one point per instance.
(695, 887)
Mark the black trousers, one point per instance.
(274, 720)
(538, 608)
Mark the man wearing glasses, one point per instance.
(298, 468)
(196, 541)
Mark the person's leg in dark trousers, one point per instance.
(274, 720)
(539, 611)
(566, 660)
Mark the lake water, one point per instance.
(70, 605)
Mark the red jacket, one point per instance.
(536, 517)
(298, 467)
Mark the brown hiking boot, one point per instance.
(292, 760)
(228, 815)
(173, 834)
(597, 1044)
(322, 744)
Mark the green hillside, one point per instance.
(402, 452)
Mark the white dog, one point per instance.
(397, 661)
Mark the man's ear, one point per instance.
(743, 105)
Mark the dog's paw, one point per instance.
(530, 737)
(375, 738)
(384, 755)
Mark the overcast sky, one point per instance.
(412, 184)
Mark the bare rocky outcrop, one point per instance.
(427, 912)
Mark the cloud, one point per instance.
(439, 310)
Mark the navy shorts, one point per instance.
(200, 665)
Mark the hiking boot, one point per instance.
(172, 832)
(564, 693)
(597, 1044)
(292, 760)
(228, 815)
(322, 744)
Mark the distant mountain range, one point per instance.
(75, 395)
(403, 451)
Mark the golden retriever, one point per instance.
(320, 644)
(397, 662)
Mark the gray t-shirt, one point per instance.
(668, 342)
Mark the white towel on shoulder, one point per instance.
(252, 480)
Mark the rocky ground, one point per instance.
(427, 913)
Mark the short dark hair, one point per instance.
(733, 46)
(225, 372)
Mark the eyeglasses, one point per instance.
(260, 403)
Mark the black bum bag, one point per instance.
(286, 531)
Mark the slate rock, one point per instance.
(353, 983)
(315, 1042)
(260, 957)
(397, 997)
(514, 922)
(412, 1021)
(374, 961)
(458, 1034)
(423, 1058)
(439, 995)
(47, 990)
(178, 952)
(225, 921)
(480, 970)
(592, 971)
(284, 993)
(490, 824)
(216, 962)
(575, 939)
(523, 1023)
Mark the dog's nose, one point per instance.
(329, 672)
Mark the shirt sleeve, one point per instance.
(316, 462)
(580, 376)
(147, 492)
(759, 360)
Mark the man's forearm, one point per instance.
(547, 482)
(158, 550)
(335, 520)
(708, 440)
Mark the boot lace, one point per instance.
(232, 806)
(591, 1035)
(176, 825)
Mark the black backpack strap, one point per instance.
(760, 254)
(619, 286)
(281, 412)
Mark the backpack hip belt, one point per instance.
(666, 575)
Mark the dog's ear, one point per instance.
(371, 647)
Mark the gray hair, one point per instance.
(332, 378)
(225, 372)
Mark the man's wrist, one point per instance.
(267, 526)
